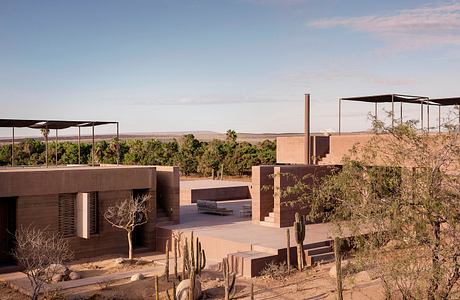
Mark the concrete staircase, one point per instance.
(269, 220)
(320, 252)
(162, 218)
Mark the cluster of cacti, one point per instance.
(229, 280)
(338, 266)
(194, 261)
(173, 297)
(288, 250)
(299, 227)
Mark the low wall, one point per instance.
(261, 192)
(291, 150)
(168, 189)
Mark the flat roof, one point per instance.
(51, 124)
(446, 101)
(388, 98)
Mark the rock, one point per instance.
(182, 289)
(57, 278)
(137, 276)
(392, 244)
(333, 271)
(57, 269)
(74, 275)
(362, 276)
(119, 261)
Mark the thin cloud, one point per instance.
(208, 100)
(424, 27)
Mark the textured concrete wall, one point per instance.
(40, 181)
(168, 188)
(284, 211)
(37, 193)
(262, 198)
(291, 150)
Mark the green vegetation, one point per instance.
(191, 155)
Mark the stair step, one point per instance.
(271, 214)
(269, 224)
(324, 257)
(317, 245)
(319, 250)
(269, 219)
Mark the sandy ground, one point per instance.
(313, 284)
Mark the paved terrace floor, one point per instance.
(241, 229)
(209, 183)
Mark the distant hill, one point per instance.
(164, 136)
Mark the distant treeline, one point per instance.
(190, 154)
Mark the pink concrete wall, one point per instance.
(168, 183)
(262, 199)
(291, 150)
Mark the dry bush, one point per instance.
(275, 271)
(40, 253)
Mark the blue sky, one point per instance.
(214, 65)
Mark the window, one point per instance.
(66, 216)
(94, 213)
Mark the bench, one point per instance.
(210, 207)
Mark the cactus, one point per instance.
(184, 259)
(194, 262)
(167, 261)
(157, 291)
(175, 258)
(252, 291)
(338, 266)
(174, 297)
(288, 251)
(299, 227)
(229, 280)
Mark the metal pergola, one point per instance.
(447, 102)
(57, 125)
(389, 98)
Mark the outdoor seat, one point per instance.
(210, 207)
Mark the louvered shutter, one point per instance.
(94, 213)
(66, 217)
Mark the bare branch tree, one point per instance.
(41, 254)
(128, 214)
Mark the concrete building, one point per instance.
(72, 201)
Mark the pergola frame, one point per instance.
(390, 98)
(58, 124)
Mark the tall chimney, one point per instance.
(307, 151)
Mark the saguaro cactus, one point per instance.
(288, 251)
(252, 291)
(173, 297)
(299, 227)
(157, 292)
(229, 280)
(195, 261)
(175, 258)
(167, 261)
(184, 259)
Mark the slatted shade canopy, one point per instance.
(386, 98)
(56, 125)
(446, 101)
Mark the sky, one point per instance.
(162, 66)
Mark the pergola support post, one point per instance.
(428, 116)
(439, 118)
(92, 147)
(392, 110)
(79, 145)
(307, 151)
(118, 144)
(46, 145)
(56, 148)
(12, 148)
(340, 116)
(421, 115)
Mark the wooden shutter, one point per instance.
(94, 213)
(66, 218)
